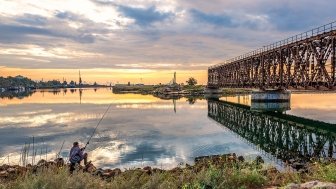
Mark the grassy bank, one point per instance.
(141, 89)
(219, 172)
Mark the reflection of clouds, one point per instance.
(15, 158)
(36, 112)
(157, 106)
(32, 120)
(110, 153)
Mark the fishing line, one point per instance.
(94, 131)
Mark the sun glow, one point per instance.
(107, 76)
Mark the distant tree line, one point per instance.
(20, 81)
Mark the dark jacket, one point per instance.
(76, 154)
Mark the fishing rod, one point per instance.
(59, 153)
(94, 131)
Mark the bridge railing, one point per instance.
(299, 37)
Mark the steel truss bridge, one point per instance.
(283, 137)
(304, 61)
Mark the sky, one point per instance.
(143, 41)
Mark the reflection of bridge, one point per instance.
(283, 136)
(302, 61)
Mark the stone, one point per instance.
(318, 184)
(11, 170)
(312, 185)
(117, 171)
(148, 170)
(90, 168)
(59, 162)
(241, 158)
(293, 186)
(99, 173)
(107, 170)
(4, 167)
(4, 174)
(42, 162)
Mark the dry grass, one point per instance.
(204, 175)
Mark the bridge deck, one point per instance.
(305, 61)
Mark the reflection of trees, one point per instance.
(26, 93)
(168, 96)
(285, 137)
(191, 100)
(56, 91)
(16, 94)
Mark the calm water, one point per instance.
(143, 130)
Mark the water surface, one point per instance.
(138, 130)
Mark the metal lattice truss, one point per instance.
(283, 139)
(305, 61)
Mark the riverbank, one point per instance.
(223, 171)
(164, 91)
(183, 90)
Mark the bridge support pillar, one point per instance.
(270, 96)
(212, 92)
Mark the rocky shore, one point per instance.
(217, 171)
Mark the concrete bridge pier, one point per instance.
(211, 92)
(270, 96)
(270, 100)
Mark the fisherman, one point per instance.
(76, 156)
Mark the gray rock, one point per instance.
(318, 185)
(293, 186)
(312, 185)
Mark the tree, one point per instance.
(191, 81)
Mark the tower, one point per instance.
(174, 81)
(80, 79)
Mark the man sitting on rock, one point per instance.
(76, 156)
